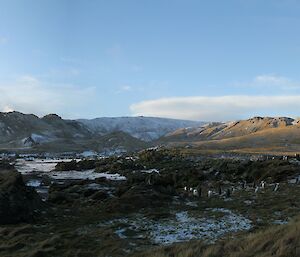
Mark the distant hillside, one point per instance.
(30, 128)
(261, 133)
(51, 133)
(144, 128)
(217, 131)
(20, 131)
(109, 143)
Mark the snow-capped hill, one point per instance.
(51, 132)
(144, 128)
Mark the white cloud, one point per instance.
(272, 81)
(218, 108)
(30, 95)
(124, 89)
(7, 109)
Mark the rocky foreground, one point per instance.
(18, 203)
(123, 206)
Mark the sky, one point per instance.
(203, 60)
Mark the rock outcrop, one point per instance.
(18, 203)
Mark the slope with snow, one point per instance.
(144, 128)
(20, 131)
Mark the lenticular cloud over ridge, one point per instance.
(218, 108)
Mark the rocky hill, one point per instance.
(218, 131)
(18, 130)
(52, 133)
(264, 133)
(144, 128)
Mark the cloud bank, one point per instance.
(30, 95)
(219, 108)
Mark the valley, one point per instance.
(149, 128)
(124, 206)
(110, 188)
(27, 134)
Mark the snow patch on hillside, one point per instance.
(144, 128)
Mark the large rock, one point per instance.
(82, 191)
(135, 198)
(18, 203)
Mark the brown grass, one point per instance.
(275, 141)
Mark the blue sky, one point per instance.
(191, 59)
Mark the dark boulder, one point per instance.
(72, 192)
(76, 165)
(137, 197)
(100, 196)
(6, 165)
(18, 203)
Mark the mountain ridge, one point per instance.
(28, 131)
(254, 135)
(144, 128)
(53, 133)
(217, 131)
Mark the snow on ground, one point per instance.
(40, 138)
(150, 171)
(187, 228)
(88, 174)
(280, 222)
(89, 153)
(294, 180)
(47, 166)
(34, 183)
(120, 232)
(183, 227)
(37, 165)
(41, 189)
